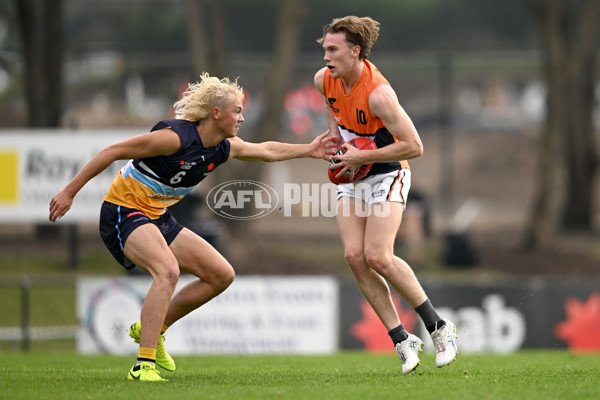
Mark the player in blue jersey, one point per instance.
(136, 224)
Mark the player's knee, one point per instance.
(169, 275)
(378, 261)
(224, 278)
(354, 258)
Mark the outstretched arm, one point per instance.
(320, 147)
(162, 142)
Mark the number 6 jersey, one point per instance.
(155, 183)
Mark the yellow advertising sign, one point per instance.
(9, 167)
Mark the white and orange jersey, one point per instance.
(353, 115)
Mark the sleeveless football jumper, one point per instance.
(353, 115)
(144, 188)
(153, 184)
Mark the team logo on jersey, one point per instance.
(186, 165)
(209, 168)
(330, 101)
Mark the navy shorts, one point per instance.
(117, 223)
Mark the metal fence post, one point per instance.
(25, 308)
(74, 246)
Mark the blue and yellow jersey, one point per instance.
(155, 183)
(352, 112)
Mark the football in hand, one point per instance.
(361, 144)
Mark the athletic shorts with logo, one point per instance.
(117, 222)
(391, 186)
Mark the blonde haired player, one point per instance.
(363, 104)
(136, 224)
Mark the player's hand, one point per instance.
(348, 161)
(59, 205)
(322, 146)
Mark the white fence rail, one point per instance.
(23, 335)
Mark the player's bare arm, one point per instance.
(320, 147)
(158, 143)
(318, 80)
(384, 104)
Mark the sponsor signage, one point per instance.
(499, 317)
(322, 314)
(36, 164)
(255, 315)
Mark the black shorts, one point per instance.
(117, 223)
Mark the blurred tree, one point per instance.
(207, 32)
(40, 27)
(406, 25)
(291, 15)
(570, 32)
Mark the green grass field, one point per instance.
(346, 375)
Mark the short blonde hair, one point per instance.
(200, 97)
(359, 31)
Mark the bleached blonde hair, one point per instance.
(201, 97)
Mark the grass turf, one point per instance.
(345, 375)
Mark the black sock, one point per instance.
(429, 316)
(398, 334)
